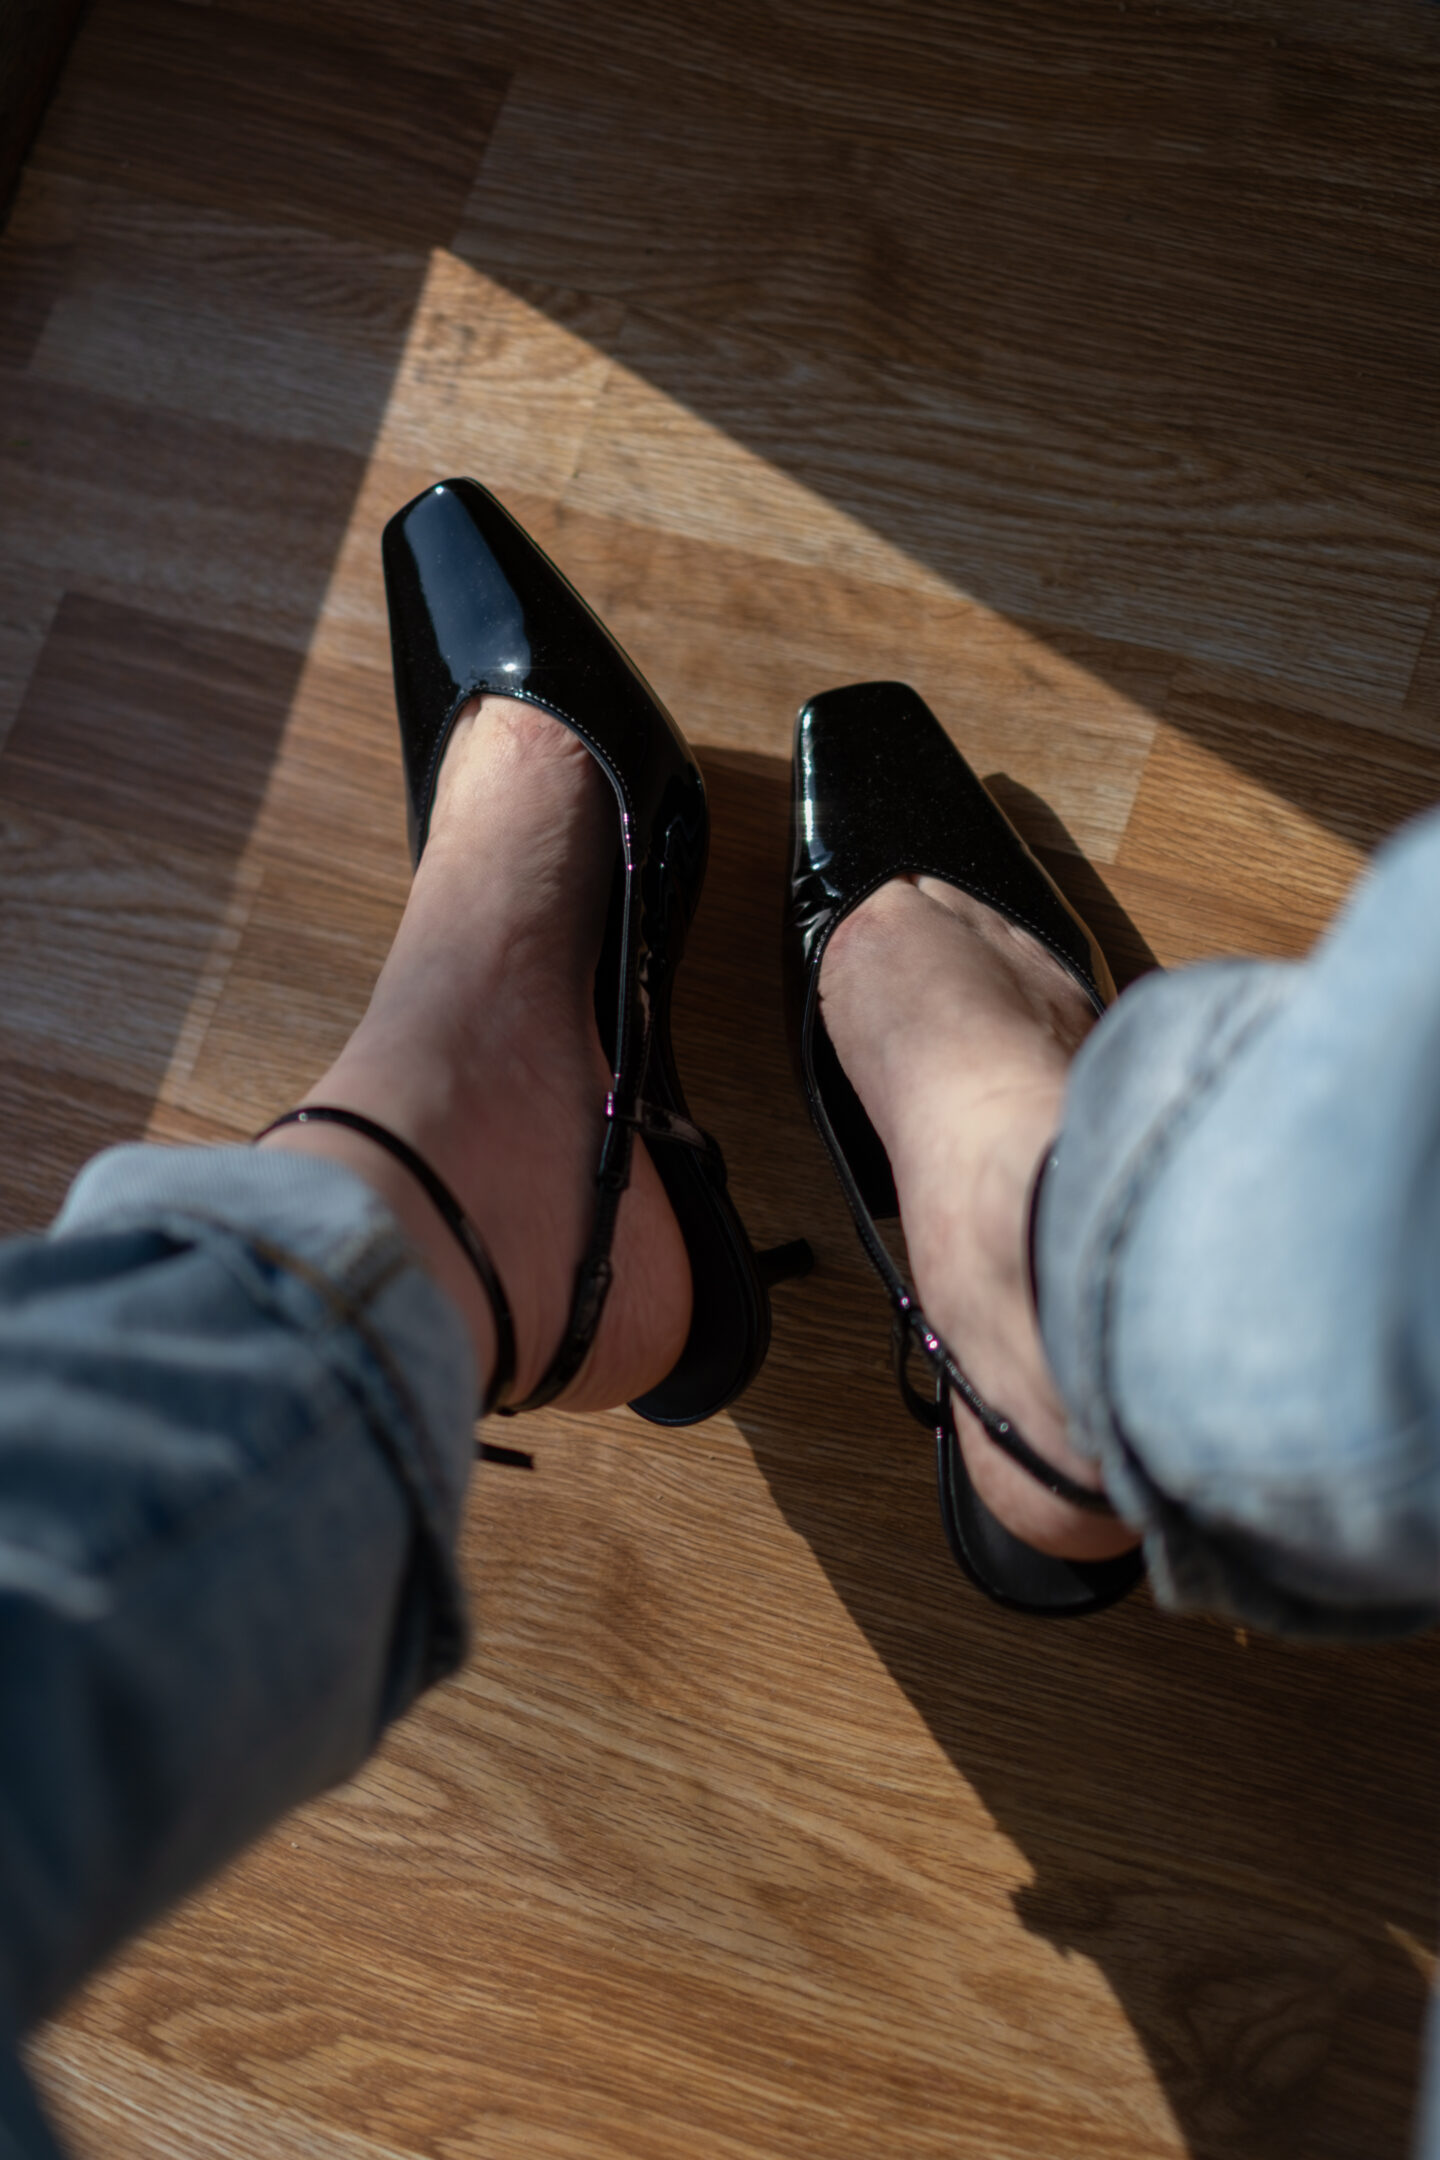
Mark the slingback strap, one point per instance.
(1043, 1169)
(596, 1272)
(448, 1208)
(913, 1331)
(657, 1123)
(784, 1263)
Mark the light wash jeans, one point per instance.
(236, 1418)
(1238, 1259)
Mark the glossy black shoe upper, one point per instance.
(881, 792)
(476, 606)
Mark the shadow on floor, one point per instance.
(1082, 884)
(1239, 1835)
(200, 217)
(989, 290)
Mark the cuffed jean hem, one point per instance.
(319, 1254)
(236, 1421)
(1237, 1267)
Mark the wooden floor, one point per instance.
(1079, 363)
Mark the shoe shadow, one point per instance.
(1083, 886)
(1236, 1833)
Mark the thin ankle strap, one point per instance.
(911, 1329)
(1043, 1169)
(448, 1208)
(596, 1271)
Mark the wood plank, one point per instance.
(1407, 721)
(1105, 65)
(1145, 540)
(128, 787)
(187, 309)
(501, 384)
(66, 1117)
(105, 939)
(28, 600)
(334, 799)
(275, 119)
(35, 251)
(137, 724)
(1072, 364)
(1094, 221)
(1280, 808)
(112, 2093)
(1104, 157)
(1422, 698)
(1163, 921)
(198, 521)
(314, 340)
(298, 979)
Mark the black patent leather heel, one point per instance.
(881, 792)
(475, 606)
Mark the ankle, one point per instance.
(479, 1048)
(472, 1115)
(432, 1238)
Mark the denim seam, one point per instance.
(230, 1244)
(351, 1318)
(349, 1315)
(1145, 1168)
(345, 1313)
(137, 1588)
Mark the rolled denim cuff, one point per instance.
(316, 1248)
(1139, 1081)
(1224, 1292)
(236, 1417)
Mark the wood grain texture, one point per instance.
(35, 248)
(133, 721)
(1123, 235)
(1077, 364)
(1422, 699)
(34, 37)
(1298, 804)
(299, 122)
(1137, 538)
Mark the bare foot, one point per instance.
(480, 1048)
(956, 1031)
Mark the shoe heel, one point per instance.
(784, 1263)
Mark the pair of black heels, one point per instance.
(879, 790)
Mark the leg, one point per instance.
(237, 1386)
(1237, 1250)
(480, 1047)
(1240, 1268)
(957, 1032)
